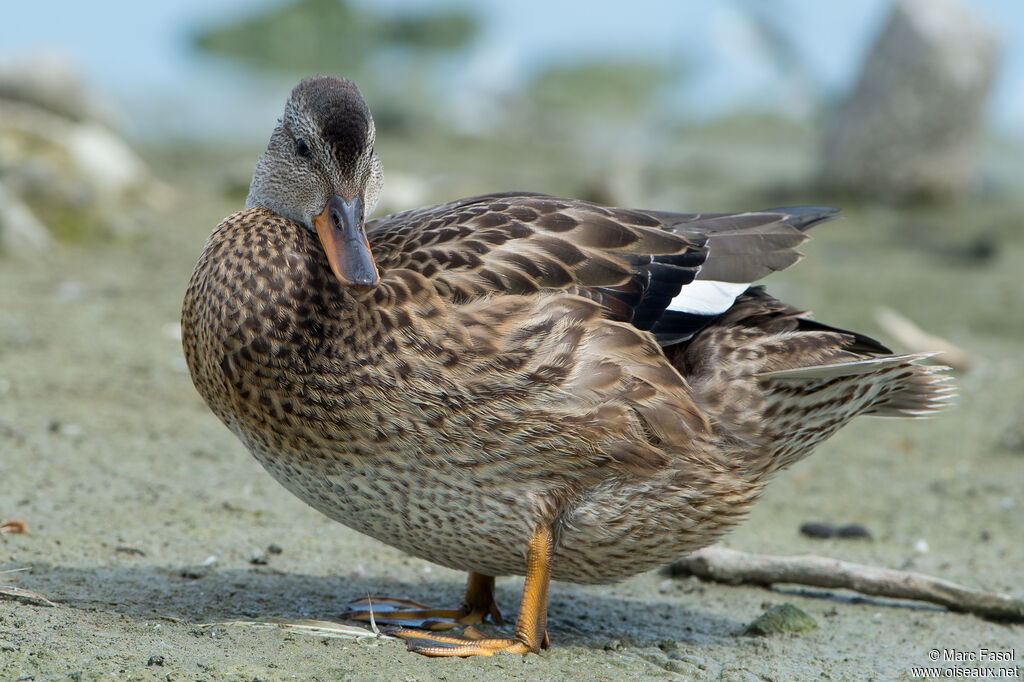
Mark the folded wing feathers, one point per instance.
(741, 249)
(747, 247)
(643, 264)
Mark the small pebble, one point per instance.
(155, 660)
(124, 549)
(201, 571)
(817, 530)
(692, 584)
(68, 430)
(613, 645)
(780, 619)
(823, 531)
(853, 530)
(274, 549)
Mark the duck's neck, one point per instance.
(263, 285)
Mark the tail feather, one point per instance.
(914, 390)
(928, 391)
(804, 406)
(782, 383)
(842, 369)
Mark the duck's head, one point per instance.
(320, 170)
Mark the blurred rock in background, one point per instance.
(911, 127)
(50, 81)
(20, 230)
(64, 172)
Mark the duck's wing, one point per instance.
(667, 273)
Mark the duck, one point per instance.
(514, 383)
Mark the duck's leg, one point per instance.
(531, 626)
(476, 606)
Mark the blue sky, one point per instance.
(138, 52)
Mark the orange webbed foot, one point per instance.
(531, 625)
(473, 644)
(477, 606)
(405, 613)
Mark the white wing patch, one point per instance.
(707, 297)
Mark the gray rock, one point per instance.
(37, 142)
(67, 177)
(780, 619)
(911, 126)
(51, 81)
(20, 230)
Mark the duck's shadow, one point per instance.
(578, 616)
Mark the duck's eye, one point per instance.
(301, 148)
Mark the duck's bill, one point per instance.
(343, 236)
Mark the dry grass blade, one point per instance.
(14, 527)
(313, 628)
(373, 621)
(18, 594)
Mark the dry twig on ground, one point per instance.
(730, 566)
(916, 340)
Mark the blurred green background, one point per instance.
(688, 106)
(685, 106)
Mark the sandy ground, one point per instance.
(150, 524)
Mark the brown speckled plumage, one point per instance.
(516, 368)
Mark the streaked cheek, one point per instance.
(313, 193)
